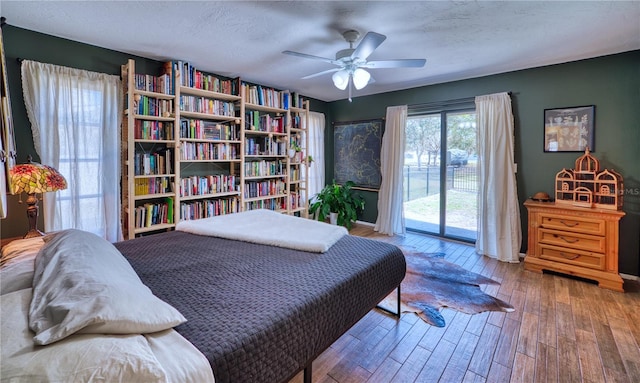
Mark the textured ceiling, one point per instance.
(245, 38)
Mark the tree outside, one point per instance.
(423, 137)
(422, 179)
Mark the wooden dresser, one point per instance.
(574, 240)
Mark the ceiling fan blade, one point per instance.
(402, 63)
(306, 56)
(321, 73)
(368, 44)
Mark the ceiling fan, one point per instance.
(353, 61)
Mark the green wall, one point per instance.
(611, 83)
(26, 44)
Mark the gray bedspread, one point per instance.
(262, 313)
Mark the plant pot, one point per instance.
(333, 218)
(292, 153)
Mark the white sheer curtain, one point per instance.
(499, 232)
(75, 121)
(315, 179)
(390, 219)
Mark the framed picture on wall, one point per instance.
(569, 129)
(357, 147)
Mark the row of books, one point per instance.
(266, 96)
(265, 146)
(158, 84)
(264, 168)
(151, 214)
(207, 106)
(207, 130)
(160, 162)
(294, 173)
(178, 72)
(211, 184)
(255, 121)
(296, 100)
(154, 185)
(208, 208)
(296, 122)
(151, 106)
(271, 204)
(191, 77)
(192, 151)
(153, 130)
(295, 200)
(254, 189)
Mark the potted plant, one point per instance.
(294, 149)
(339, 199)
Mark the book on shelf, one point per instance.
(157, 84)
(297, 100)
(191, 77)
(265, 145)
(153, 130)
(254, 121)
(254, 189)
(271, 204)
(191, 151)
(262, 95)
(158, 162)
(152, 106)
(154, 213)
(152, 185)
(208, 208)
(264, 168)
(207, 130)
(170, 68)
(210, 184)
(169, 202)
(206, 105)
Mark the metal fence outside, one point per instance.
(425, 181)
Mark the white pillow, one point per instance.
(78, 358)
(83, 284)
(17, 264)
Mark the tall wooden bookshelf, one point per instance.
(226, 147)
(148, 153)
(266, 138)
(298, 163)
(209, 146)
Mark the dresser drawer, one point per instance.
(572, 257)
(572, 240)
(572, 223)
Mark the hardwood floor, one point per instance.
(563, 330)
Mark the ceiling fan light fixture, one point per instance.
(341, 79)
(360, 78)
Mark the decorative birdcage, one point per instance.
(608, 193)
(587, 186)
(565, 186)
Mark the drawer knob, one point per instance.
(569, 256)
(569, 224)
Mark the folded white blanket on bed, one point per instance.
(267, 227)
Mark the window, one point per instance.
(75, 122)
(440, 181)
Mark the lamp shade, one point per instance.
(341, 79)
(360, 78)
(33, 178)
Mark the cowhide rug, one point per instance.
(432, 283)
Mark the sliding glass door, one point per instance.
(440, 189)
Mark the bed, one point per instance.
(262, 313)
